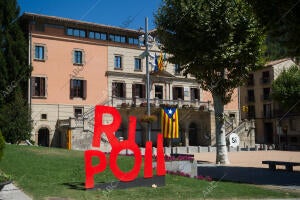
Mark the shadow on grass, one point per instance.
(75, 185)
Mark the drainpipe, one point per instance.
(29, 63)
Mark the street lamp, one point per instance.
(145, 39)
(149, 41)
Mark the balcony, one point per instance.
(250, 99)
(156, 102)
(266, 97)
(265, 80)
(267, 115)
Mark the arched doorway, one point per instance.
(43, 137)
(193, 135)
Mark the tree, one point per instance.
(2, 145)
(286, 88)
(280, 19)
(14, 72)
(17, 128)
(217, 41)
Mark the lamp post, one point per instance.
(145, 39)
(148, 77)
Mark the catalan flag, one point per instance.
(160, 63)
(169, 122)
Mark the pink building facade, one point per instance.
(77, 65)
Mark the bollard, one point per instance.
(209, 148)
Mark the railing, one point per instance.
(250, 99)
(265, 80)
(156, 102)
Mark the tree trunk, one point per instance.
(221, 156)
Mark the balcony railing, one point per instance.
(267, 115)
(156, 102)
(250, 99)
(265, 80)
(266, 97)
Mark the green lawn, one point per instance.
(48, 172)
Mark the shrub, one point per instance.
(2, 144)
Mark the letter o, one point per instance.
(133, 173)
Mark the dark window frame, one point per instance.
(39, 50)
(139, 67)
(119, 89)
(38, 87)
(118, 64)
(78, 88)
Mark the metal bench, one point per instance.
(288, 165)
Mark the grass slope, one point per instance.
(48, 172)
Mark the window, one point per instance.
(266, 77)
(39, 52)
(251, 112)
(159, 91)
(195, 94)
(267, 111)
(177, 69)
(43, 116)
(38, 86)
(117, 38)
(266, 94)
(97, 35)
(178, 93)
(76, 32)
(78, 57)
(138, 90)
(119, 89)
(78, 88)
(118, 62)
(137, 64)
(251, 97)
(250, 81)
(78, 111)
(134, 41)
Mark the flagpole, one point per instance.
(147, 76)
(171, 141)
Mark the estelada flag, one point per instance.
(160, 63)
(169, 122)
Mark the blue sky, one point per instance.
(125, 13)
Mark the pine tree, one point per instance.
(14, 72)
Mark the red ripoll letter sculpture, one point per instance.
(117, 147)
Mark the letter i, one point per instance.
(148, 160)
(161, 167)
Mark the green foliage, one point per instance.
(281, 20)
(14, 74)
(286, 88)
(2, 145)
(274, 50)
(14, 120)
(218, 41)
